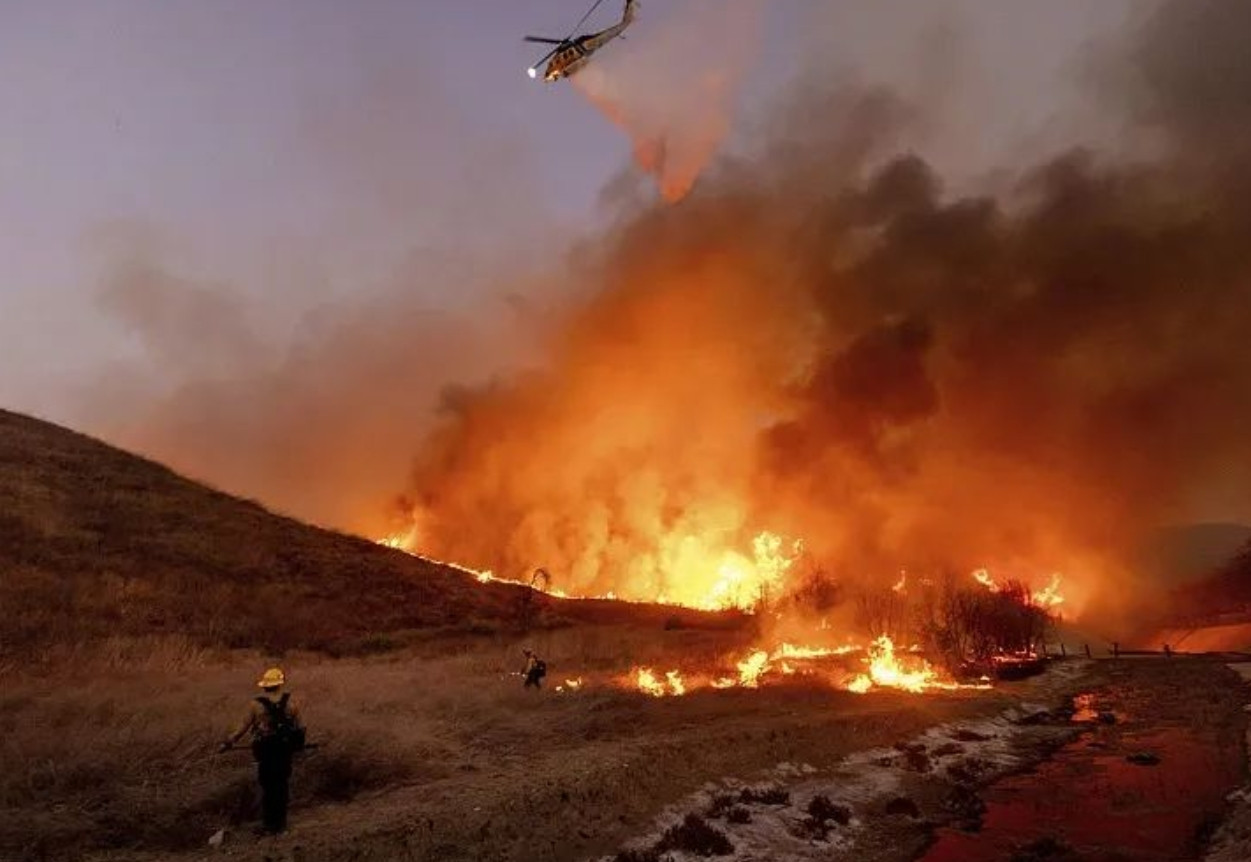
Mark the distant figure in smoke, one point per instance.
(277, 734)
(535, 670)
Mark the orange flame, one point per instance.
(1049, 596)
(885, 671)
(983, 577)
(719, 580)
(752, 668)
(647, 682)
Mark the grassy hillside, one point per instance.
(1225, 594)
(1190, 552)
(97, 542)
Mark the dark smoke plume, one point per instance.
(828, 344)
(822, 340)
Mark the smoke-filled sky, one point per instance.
(837, 336)
(293, 156)
(930, 285)
(927, 285)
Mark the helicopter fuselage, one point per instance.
(568, 60)
(573, 54)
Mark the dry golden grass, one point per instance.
(112, 746)
(139, 606)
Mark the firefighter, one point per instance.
(277, 733)
(535, 670)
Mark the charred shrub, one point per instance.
(965, 735)
(652, 855)
(901, 805)
(721, 805)
(1046, 849)
(822, 814)
(823, 809)
(726, 805)
(968, 771)
(916, 759)
(694, 835)
(966, 808)
(765, 796)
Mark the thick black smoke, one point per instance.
(1031, 379)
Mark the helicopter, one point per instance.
(571, 54)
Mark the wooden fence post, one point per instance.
(1087, 648)
(1063, 654)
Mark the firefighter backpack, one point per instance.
(280, 735)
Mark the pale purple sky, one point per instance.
(298, 150)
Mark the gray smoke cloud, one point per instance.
(824, 338)
(827, 341)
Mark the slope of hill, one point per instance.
(1225, 595)
(95, 542)
(1190, 552)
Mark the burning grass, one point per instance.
(976, 625)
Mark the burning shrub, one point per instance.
(972, 623)
(816, 591)
(883, 612)
(964, 623)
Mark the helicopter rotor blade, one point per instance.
(542, 40)
(533, 71)
(589, 13)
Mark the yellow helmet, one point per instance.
(272, 678)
